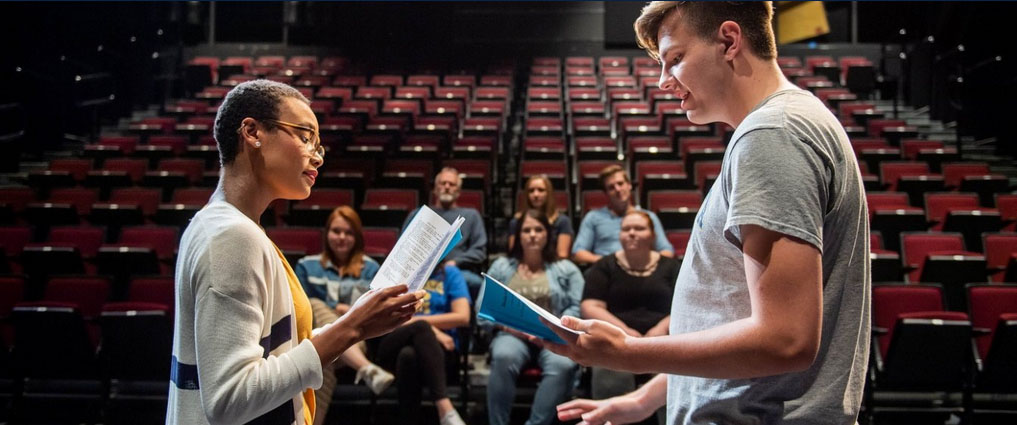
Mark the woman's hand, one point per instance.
(379, 311)
(444, 339)
(341, 309)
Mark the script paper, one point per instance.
(427, 239)
(500, 304)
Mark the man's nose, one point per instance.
(666, 81)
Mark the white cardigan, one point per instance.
(235, 353)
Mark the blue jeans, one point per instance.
(508, 356)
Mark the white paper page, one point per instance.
(414, 250)
(417, 281)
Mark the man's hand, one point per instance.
(632, 332)
(379, 311)
(598, 344)
(341, 309)
(618, 410)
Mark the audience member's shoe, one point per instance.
(376, 378)
(452, 418)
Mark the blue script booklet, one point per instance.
(505, 307)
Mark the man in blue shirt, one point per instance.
(598, 233)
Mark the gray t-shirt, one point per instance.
(789, 169)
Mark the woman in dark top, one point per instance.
(631, 289)
(540, 197)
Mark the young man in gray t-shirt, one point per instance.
(770, 315)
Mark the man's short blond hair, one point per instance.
(704, 17)
(609, 171)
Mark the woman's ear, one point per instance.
(248, 133)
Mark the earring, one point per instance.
(257, 144)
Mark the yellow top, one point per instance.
(302, 314)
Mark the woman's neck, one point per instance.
(533, 260)
(341, 260)
(236, 186)
(638, 259)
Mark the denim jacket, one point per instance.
(325, 284)
(564, 277)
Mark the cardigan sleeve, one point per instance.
(239, 379)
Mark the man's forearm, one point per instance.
(737, 350)
(584, 256)
(653, 394)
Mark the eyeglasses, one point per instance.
(312, 143)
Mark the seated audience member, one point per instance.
(598, 232)
(540, 196)
(631, 289)
(332, 281)
(533, 270)
(417, 350)
(471, 252)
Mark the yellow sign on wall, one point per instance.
(800, 20)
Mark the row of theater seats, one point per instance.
(76, 356)
(943, 258)
(115, 354)
(928, 362)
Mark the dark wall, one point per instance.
(435, 35)
(67, 63)
(970, 85)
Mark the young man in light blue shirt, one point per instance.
(598, 233)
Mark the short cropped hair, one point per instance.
(609, 171)
(258, 99)
(704, 17)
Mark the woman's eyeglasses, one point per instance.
(312, 142)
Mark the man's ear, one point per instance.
(730, 34)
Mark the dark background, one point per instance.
(49, 44)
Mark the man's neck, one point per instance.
(620, 208)
(444, 206)
(754, 80)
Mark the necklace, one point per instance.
(642, 272)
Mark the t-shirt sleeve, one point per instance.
(455, 285)
(513, 226)
(778, 182)
(563, 225)
(584, 240)
(661, 243)
(596, 279)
